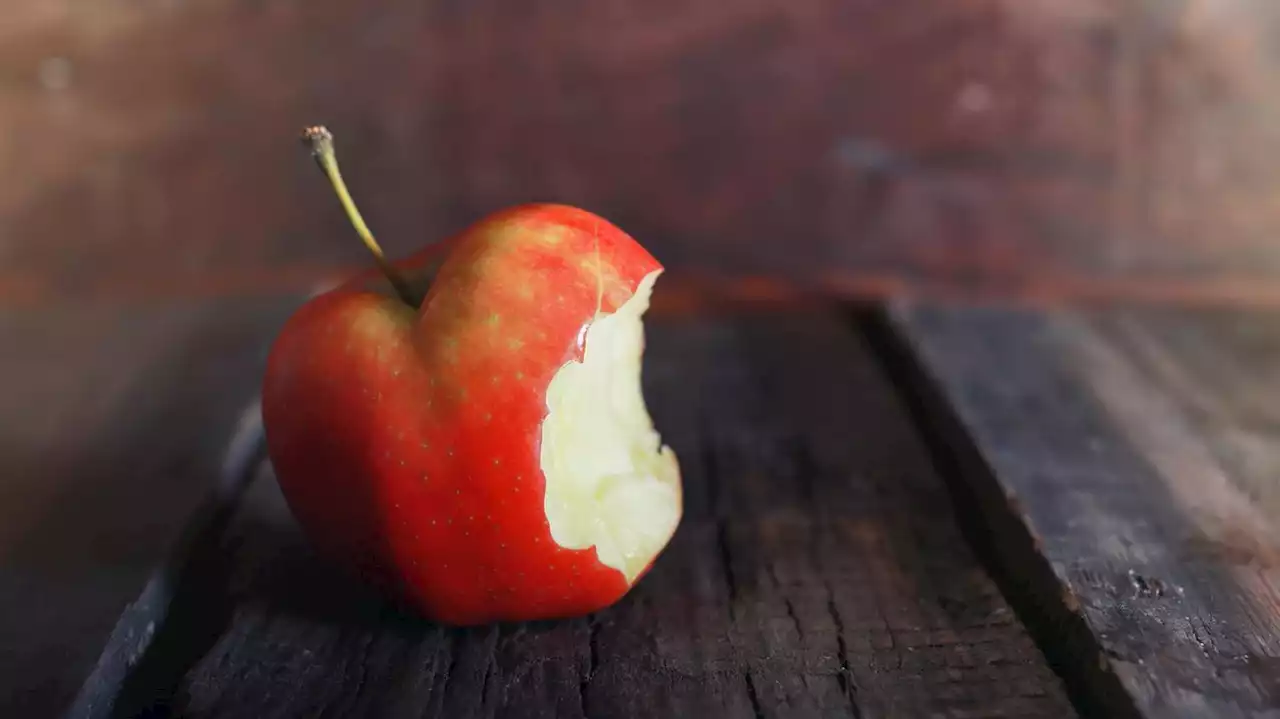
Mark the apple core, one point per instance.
(610, 482)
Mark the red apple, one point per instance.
(477, 440)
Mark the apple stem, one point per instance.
(320, 141)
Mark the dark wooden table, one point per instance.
(916, 511)
(820, 571)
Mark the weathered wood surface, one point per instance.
(113, 421)
(819, 573)
(1021, 146)
(1126, 464)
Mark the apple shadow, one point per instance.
(278, 569)
(257, 600)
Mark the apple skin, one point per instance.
(406, 440)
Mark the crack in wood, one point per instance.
(786, 600)
(593, 663)
(752, 695)
(731, 582)
(844, 678)
(726, 561)
(451, 670)
(361, 671)
(484, 680)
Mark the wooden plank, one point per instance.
(1020, 144)
(113, 423)
(819, 573)
(1122, 461)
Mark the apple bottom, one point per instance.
(543, 582)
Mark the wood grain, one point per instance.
(854, 145)
(112, 427)
(1122, 462)
(818, 572)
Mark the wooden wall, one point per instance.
(1033, 147)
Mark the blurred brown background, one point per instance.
(1018, 145)
(158, 218)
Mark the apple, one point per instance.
(466, 428)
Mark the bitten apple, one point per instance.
(470, 432)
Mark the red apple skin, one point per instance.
(406, 441)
